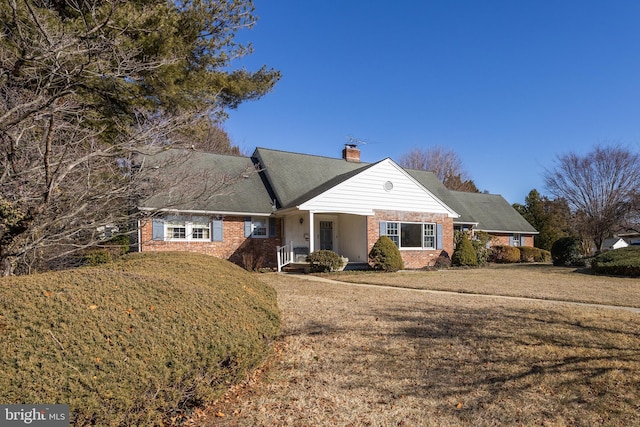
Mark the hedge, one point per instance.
(135, 342)
(618, 262)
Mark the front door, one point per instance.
(326, 235)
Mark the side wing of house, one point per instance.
(492, 214)
(213, 204)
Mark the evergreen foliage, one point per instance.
(133, 342)
(481, 246)
(85, 87)
(323, 261)
(464, 254)
(566, 251)
(385, 255)
(552, 218)
(618, 262)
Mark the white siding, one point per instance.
(366, 191)
(294, 230)
(352, 234)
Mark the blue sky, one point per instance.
(508, 85)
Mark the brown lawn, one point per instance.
(380, 356)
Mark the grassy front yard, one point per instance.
(542, 281)
(384, 357)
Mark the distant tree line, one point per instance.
(595, 195)
(445, 163)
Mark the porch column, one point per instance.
(311, 233)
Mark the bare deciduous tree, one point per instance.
(600, 187)
(444, 163)
(79, 100)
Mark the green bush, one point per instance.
(95, 257)
(134, 342)
(505, 254)
(618, 262)
(566, 251)
(464, 254)
(531, 254)
(385, 255)
(111, 251)
(480, 245)
(323, 261)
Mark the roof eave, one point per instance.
(508, 231)
(204, 212)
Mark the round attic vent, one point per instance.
(388, 186)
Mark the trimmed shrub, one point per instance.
(464, 254)
(618, 262)
(505, 254)
(566, 251)
(323, 261)
(385, 255)
(443, 260)
(543, 255)
(135, 342)
(531, 254)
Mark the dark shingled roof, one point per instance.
(242, 189)
(491, 212)
(295, 177)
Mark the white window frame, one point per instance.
(517, 239)
(259, 223)
(189, 223)
(393, 232)
(428, 231)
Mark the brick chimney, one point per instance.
(351, 153)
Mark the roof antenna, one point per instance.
(354, 142)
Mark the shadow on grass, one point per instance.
(499, 359)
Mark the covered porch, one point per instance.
(307, 231)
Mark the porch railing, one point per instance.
(285, 255)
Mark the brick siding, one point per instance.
(234, 247)
(504, 239)
(413, 258)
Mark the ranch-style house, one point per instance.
(277, 207)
